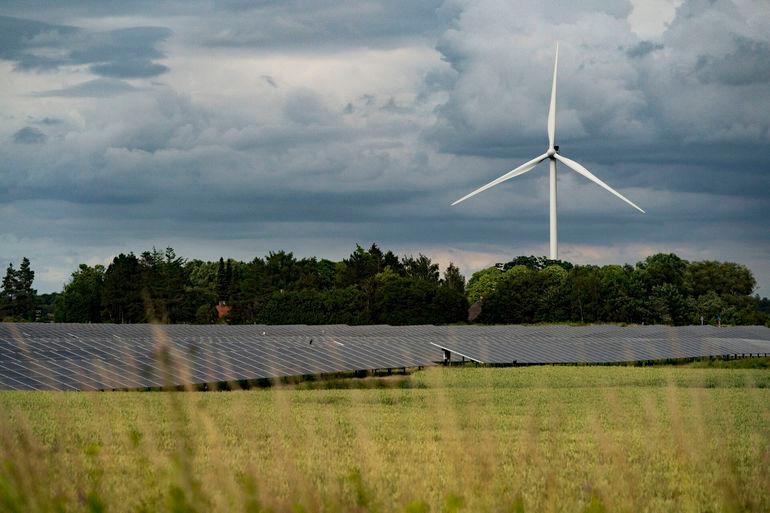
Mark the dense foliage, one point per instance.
(370, 286)
(17, 297)
(375, 286)
(661, 289)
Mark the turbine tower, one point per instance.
(552, 155)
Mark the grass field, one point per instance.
(540, 439)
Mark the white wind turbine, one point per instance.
(552, 155)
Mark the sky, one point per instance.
(235, 128)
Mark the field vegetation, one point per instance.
(575, 439)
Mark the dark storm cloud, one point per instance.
(306, 25)
(748, 64)
(17, 38)
(29, 135)
(123, 53)
(280, 152)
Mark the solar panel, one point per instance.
(606, 344)
(108, 356)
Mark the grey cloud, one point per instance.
(122, 53)
(17, 38)
(608, 97)
(98, 88)
(392, 107)
(135, 68)
(748, 64)
(299, 168)
(643, 48)
(311, 25)
(29, 135)
(306, 108)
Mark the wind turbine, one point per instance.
(552, 155)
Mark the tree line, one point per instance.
(372, 286)
(662, 289)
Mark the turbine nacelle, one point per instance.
(553, 155)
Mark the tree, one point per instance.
(8, 292)
(409, 300)
(228, 284)
(421, 268)
(483, 283)
(669, 305)
(81, 300)
(205, 314)
(514, 299)
(374, 286)
(45, 305)
(662, 269)
(536, 263)
(26, 295)
(552, 303)
(281, 270)
(719, 277)
(618, 303)
(389, 259)
(122, 291)
(334, 306)
(223, 288)
(449, 305)
(17, 297)
(163, 286)
(361, 266)
(453, 279)
(584, 293)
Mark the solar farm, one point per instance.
(104, 357)
(457, 432)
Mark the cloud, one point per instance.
(748, 64)
(51, 121)
(313, 25)
(29, 135)
(97, 88)
(269, 80)
(134, 68)
(643, 48)
(313, 126)
(122, 53)
(306, 108)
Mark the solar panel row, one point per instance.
(105, 356)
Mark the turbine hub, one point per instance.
(551, 152)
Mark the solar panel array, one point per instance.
(108, 356)
(604, 343)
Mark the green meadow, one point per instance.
(574, 439)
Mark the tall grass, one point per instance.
(541, 439)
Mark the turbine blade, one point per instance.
(552, 108)
(579, 169)
(507, 176)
